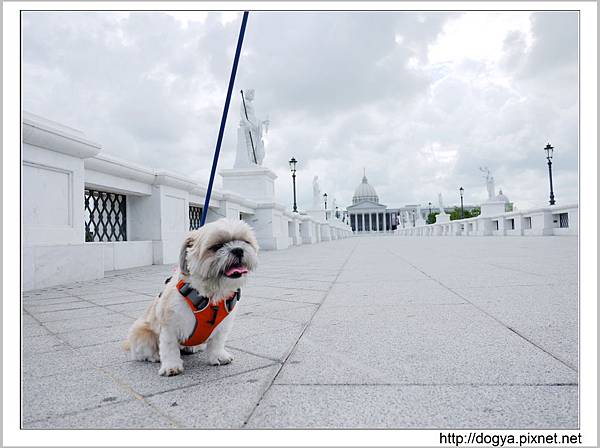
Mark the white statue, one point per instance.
(489, 182)
(441, 203)
(316, 194)
(251, 132)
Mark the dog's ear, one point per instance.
(187, 243)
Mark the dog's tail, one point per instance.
(142, 341)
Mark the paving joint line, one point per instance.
(283, 363)
(250, 335)
(233, 375)
(248, 352)
(79, 411)
(283, 300)
(505, 325)
(141, 398)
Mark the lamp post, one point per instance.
(429, 211)
(325, 199)
(293, 162)
(462, 209)
(549, 152)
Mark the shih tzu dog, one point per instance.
(196, 308)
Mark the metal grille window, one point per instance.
(105, 216)
(563, 220)
(195, 217)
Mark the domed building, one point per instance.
(365, 192)
(366, 214)
(501, 197)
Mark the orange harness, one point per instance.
(207, 317)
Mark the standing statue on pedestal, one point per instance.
(316, 194)
(490, 184)
(441, 203)
(251, 132)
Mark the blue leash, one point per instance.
(224, 118)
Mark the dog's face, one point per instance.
(219, 255)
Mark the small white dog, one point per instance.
(196, 309)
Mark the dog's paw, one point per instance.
(220, 358)
(170, 370)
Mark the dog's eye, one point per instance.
(216, 247)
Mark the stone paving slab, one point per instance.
(275, 345)
(68, 392)
(95, 336)
(133, 414)
(87, 323)
(553, 323)
(368, 332)
(143, 378)
(221, 404)
(461, 346)
(39, 365)
(105, 354)
(432, 407)
(42, 343)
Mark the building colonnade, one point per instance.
(370, 222)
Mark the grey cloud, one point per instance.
(336, 86)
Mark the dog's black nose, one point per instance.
(238, 252)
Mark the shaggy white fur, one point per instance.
(206, 255)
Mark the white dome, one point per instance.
(501, 197)
(365, 192)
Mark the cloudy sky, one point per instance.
(418, 99)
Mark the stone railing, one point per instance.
(550, 220)
(61, 243)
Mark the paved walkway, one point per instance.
(368, 332)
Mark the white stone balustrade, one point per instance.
(551, 220)
(59, 163)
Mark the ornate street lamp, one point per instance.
(462, 209)
(549, 152)
(325, 199)
(293, 162)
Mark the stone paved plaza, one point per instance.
(368, 332)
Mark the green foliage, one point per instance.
(468, 214)
(431, 217)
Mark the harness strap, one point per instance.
(207, 317)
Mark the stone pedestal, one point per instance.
(491, 208)
(442, 218)
(270, 226)
(308, 230)
(256, 183)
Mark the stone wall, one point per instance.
(551, 220)
(59, 163)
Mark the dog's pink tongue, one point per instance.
(236, 270)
